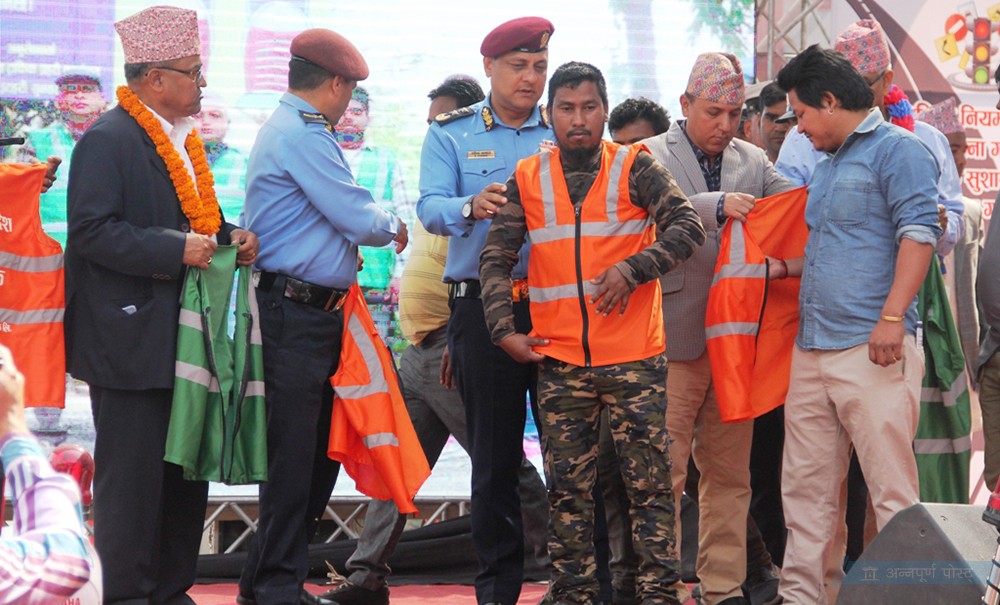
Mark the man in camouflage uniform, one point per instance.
(568, 202)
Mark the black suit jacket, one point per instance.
(123, 259)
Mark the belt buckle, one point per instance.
(335, 302)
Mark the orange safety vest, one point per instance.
(570, 246)
(370, 433)
(750, 322)
(32, 288)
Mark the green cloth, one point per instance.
(54, 140)
(943, 445)
(218, 428)
(229, 172)
(375, 173)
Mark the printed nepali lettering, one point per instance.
(982, 180)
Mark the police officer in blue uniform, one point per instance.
(310, 216)
(467, 156)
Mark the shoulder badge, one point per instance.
(451, 116)
(488, 118)
(315, 118)
(544, 112)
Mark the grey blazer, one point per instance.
(988, 294)
(745, 169)
(966, 265)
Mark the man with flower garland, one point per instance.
(141, 209)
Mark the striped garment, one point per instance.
(46, 558)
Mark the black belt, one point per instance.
(470, 288)
(465, 289)
(321, 297)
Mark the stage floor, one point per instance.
(437, 594)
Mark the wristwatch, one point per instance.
(467, 209)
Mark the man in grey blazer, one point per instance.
(722, 177)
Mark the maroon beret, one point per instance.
(331, 51)
(524, 34)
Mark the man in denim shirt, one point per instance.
(856, 370)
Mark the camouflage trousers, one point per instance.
(570, 402)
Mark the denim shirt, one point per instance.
(798, 158)
(880, 187)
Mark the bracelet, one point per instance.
(892, 318)
(784, 266)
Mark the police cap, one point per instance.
(524, 34)
(331, 51)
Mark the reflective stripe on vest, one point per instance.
(369, 356)
(29, 264)
(732, 320)
(750, 323)
(612, 227)
(950, 397)
(942, 446)
(218, 423)
(32, 287)
(370, 429)
(573, 244)
(738, 268)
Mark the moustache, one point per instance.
(577, 131)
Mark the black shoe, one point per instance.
(775, 601)
(735, 601)
(349, 594)
(305, 598)
(308, 598)
(762, 585)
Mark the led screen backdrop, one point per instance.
(644, 47)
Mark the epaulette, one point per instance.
(314, 118)
(544, 112)
(451, 116)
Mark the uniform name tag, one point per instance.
(481, 155)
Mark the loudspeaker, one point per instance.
(928, 553)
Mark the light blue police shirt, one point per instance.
(458, 160)
(303, 203)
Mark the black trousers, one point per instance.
(765, 480)
(301, 352)
(147, 519)
(493, 388)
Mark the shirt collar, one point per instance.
(178, 130)
(873, 120)
(699, 155)
(298, 103)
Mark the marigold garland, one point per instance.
(200, 205)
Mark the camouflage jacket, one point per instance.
(650, 186)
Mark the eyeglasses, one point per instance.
(79, 87)
(876, 78)
(195, 73)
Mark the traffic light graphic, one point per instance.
(979, 69)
